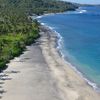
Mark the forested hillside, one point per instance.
(16, 27)
(14, 13)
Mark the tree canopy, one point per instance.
(17, 29)
(14, 13)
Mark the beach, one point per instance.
(40, 73)
(71, 85)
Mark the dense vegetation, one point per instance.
(17, 29)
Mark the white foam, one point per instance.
(39, 17)
(43, 24)
(77, 11)
(82, 11)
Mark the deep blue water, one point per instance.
(80, 31)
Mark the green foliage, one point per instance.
(14, 13)
(16, 27)
(12, 45)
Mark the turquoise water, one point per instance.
(80, 32)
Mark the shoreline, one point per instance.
(59, 50)
(58, 47)
(89, 89)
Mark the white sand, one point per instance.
(29, 78)
(41, 74)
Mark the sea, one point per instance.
(79, 40)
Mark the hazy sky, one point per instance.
(85, 1)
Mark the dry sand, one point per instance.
(28, 78)
(41, 74)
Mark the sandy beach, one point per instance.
(71, 85)
(40, 73)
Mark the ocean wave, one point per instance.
(39, 17)
(81, 11)
(78, 11)
(43, 24)
(59, 45)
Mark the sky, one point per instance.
(85, 1)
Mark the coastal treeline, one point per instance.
(17, 29)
